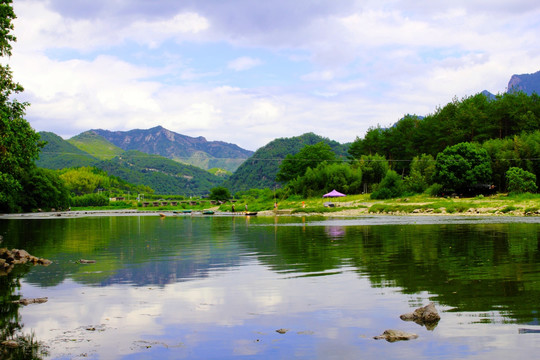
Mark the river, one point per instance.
(218, 287)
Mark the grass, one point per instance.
(500, 203)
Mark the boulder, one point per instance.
(395, 335)
(426, 315)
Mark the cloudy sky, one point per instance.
(249, 71)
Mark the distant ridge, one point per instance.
(528, 83)
(185, 149)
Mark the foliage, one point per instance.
(19, 143)
(219, 193)
(421, 174)
(85, 180)
(520, 181)
(89, 200)
(260, 170)
(326, 177)
(163, 175)
(471, 119)
(310, 156)
(462, 165)
(391, 186)
(43, 190)
(374, 168)
(9, 189)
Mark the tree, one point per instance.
(373, 168)
(19, 143)
(326, 177)
(84, 180)
(463, 165)
(520, 181)
(43, 190)
(308, 157)
(219, 193)
(391, 186)
(421, 173)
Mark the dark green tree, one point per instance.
(219, 193)
(19, 143)
(43, 190)
(520, 181)
(463, 165)
(326, 177)
(373, 168)
(310, 156)
(391, 186)
(421, 174)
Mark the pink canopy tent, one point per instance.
(333, 193)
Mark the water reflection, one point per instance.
(231, 281)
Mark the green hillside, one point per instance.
(163, 175)
(59, 154)
(95, 145)
(259, 171)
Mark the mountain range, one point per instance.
(181, 148)
(153, 157)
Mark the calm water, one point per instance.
(220, 287)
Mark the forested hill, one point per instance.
(260, 170)
(189, 150)
(59, 154)
(163, 175)
(472, 119)
(95, 145)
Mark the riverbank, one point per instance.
(353, 205)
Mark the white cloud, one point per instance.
(347, 63)
(244, 63)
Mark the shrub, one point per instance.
(520, 181)
(89, 200)
(391, 186)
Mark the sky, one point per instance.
(247, 72)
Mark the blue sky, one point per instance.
(247, 72)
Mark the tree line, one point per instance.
(470, 146)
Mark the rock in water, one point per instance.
(31, 301)
(395, 335)
(426, 315)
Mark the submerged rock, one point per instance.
(426, 315)
(395, 335)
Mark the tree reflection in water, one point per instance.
(14, 343)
